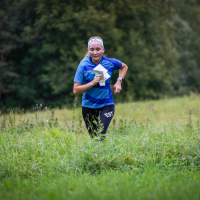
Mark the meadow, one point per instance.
(152, 151)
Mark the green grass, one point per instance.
(152, 152)
(151, 184)
(160, 112)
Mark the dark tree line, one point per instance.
(42, 43)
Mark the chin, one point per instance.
(97, 59)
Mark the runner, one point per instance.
(98, 106)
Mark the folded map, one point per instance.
(99, 70)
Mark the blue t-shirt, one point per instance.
(97, 96)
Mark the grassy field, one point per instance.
(152, 151)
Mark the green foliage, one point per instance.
(158, 40)
(187, 43)
(9, 41)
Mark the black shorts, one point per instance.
(98, 120)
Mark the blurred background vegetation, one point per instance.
(43, 41)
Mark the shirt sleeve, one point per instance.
(79, 76)
(117, 63)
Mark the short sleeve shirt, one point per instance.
(97, 96)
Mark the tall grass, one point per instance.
(148, 154)
(160, 112)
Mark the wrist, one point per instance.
(121, 80)
(92, 83)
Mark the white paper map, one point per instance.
(100, 70)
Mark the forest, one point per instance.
(42, 43)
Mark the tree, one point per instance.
(157, 39)
(8, 42)
(148, 49)
(186, 20)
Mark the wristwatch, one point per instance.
(121, 79)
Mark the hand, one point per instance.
(96, 80)
(117, 87)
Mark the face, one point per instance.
(96, 51)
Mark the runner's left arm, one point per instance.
(122, 73)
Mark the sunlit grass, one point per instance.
(159, 112)
(162, 111)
